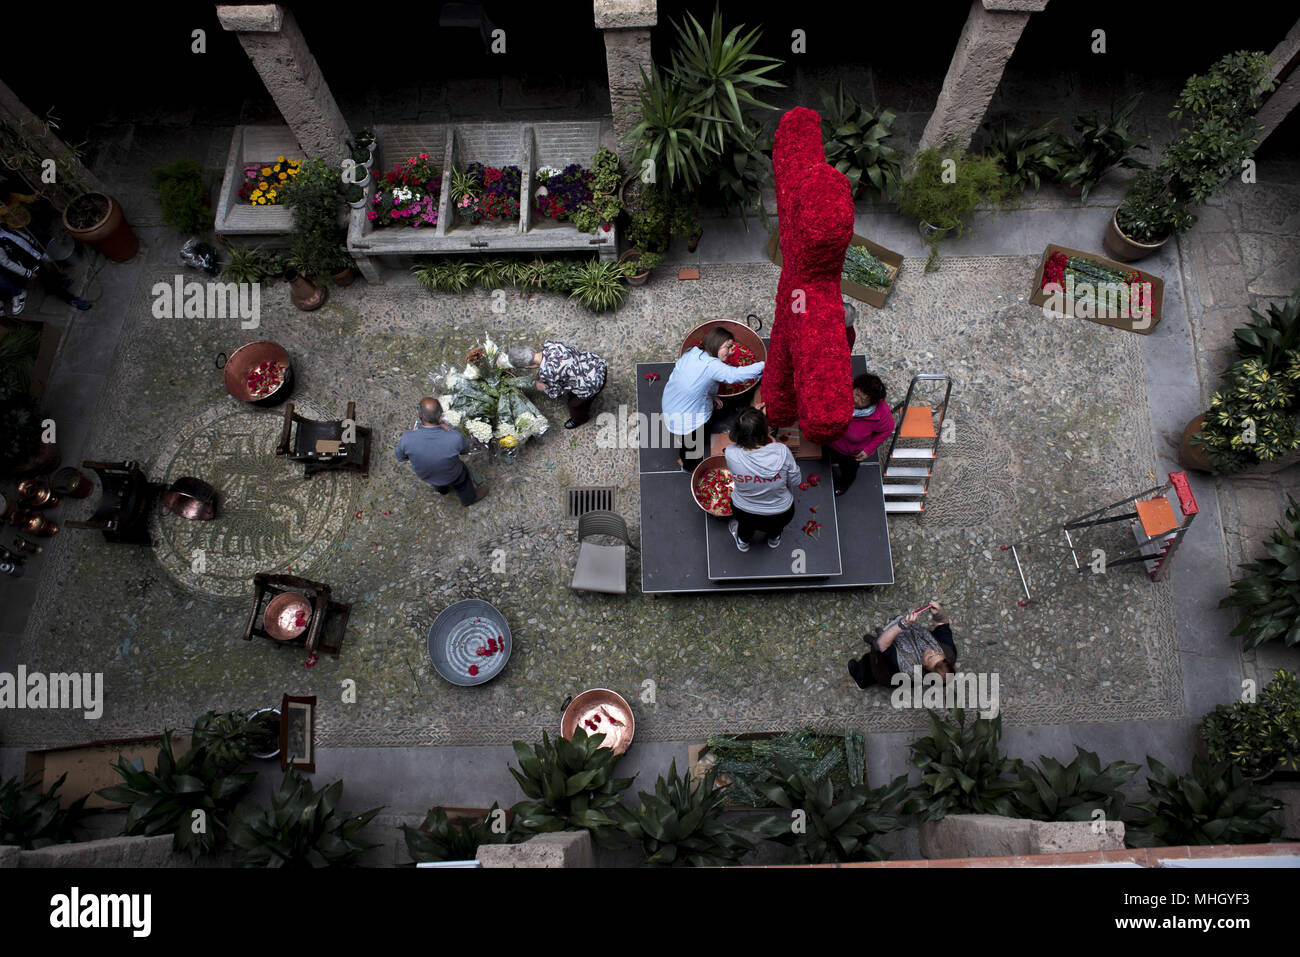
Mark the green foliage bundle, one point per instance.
(1213, 804)
(856, 144)
(1103, 144)
(443, 840)
(303, 828)
(570, 785)
(1072, 792)
(660, 216)
(604, 205)
(599, 286)
(944, 188)
(1259, 736)
(681, 827)
(1270, 594)
(318, 240)
(183, 196)
(251, 264)
(596, 285)
(750, 765)
(962, 769)
(31, 818)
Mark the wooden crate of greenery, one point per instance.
(1039, 296)
(89, 767)
(872, 297)
(825, 740)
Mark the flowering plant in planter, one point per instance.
(561, 192)
(407, 195)
(487, 192)
(264, 182)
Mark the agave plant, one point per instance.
(226, 738)
(1272, 337)
(1072, 792)
(681, 827)
(856, 145)
(31, 818)
(1259, 736)
(598, 285)
(443, 840)
(1028, 156)
(1271, 592)
(1214, 804)
(821, 829)
(1103, 144)
(962, 771)
(570, 786)
(303, 828)
(666, 138)
(188, 797)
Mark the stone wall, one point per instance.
(988, 835)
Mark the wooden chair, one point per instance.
(319, 445)
(123, 513)
(267, 587)
(601, 568)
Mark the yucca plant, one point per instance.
(855, 139)
(680, 827)
(187, 797)
(962, 771)
(1072, 792)
(667, 135)
(1270, 594)
(303, 828)
(31, 818)
(570, 786)
(598, 285)
(821, 829)
(1214, 804)
(1259, 736)
(443, 840)
(1103, 144)
(1028, 156)
(1271, 338)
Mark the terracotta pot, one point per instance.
(1193, 456)
(640, 278)
(111, 234)
(1124, 249)
(305, 294)
(345, 278)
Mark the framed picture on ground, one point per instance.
(298, 733)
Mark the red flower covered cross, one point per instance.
(808, 375)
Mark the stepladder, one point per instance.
(914, 446)
(1156, 526)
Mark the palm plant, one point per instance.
(570, 786)
(681, 827)
(303, 828)
(32, 819)
(443, 840)
(1271, 592)
(962, 771)
(1213, 804)
(1072, 792)
(667, 136)
(1028, 156)
(856, 144)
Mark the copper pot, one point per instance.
(191, 498)
(304, 293)
(32, 523)
(744, 335)
(281, 617)
(616, 721)
(247, 358)
(71, 483)
(697, 476)
(36, 493)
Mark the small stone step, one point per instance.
(903, 471)
(895, 489)
(903, 507)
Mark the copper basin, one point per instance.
(36, 493)
(281, 617)
(616, 721)
(711, 462)
(191, 498)
(247, 358)
(745, 336)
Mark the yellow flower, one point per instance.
(266, 171)
(261, 202)
(279, 159)
(262, 185)
(255, 194)
(284, 176)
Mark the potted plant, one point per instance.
(600, 211)
(1262, 736)
(1028, 156)
(569, 786)
(1220, 136)
(1102, 145)
(250, 264)
(97, 220)
(440, 838)
(1269, 593)
(354, 194)
(1052, 791)
(680, 824)
(317, 235)
(1214, 804)
(31, 818)
(662, 216)
(183, 196)
(362, 155)
(856, 145)
(637, 265)
(667, 137)
(941, 195)
(264, 733)
(962, 769)
(599, 285)
(303, 828)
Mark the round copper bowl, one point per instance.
(71, 483)
(247, 358)
(280, 619)
(745, 336)
(191, 498)
(36, 493)
(712, 462)
(616, 723)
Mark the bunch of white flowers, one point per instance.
(479, 429)
(444, 401)
(529, 425)
(548, 171)
(451, 417)
(505, 428)
(503, 361)
(470, 372)
(453, 380)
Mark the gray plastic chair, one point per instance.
(601, 568)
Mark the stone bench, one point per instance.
(254, 144)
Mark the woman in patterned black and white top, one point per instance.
(564, 370)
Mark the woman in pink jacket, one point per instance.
(873, 423)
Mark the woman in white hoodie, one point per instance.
(765, 478)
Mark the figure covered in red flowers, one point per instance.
(808, 374)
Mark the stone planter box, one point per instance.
(988, 835)
(454, 146)
(254, 144)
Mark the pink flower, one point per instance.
(372, 215)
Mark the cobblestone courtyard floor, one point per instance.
(1050, 421)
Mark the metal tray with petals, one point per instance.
(456, 635)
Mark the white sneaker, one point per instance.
(774, 542)
(733, 526)
(17, 303)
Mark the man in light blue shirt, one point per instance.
(691, 394)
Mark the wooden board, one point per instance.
(90, 767)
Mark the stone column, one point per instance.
(273, 41)
(1287, 94)
(626, 25)
(70, 174)
(993, 28)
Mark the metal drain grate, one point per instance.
(588, 498)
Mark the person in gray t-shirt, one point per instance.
(434, 448)
(765, 477)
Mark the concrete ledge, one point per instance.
(9, 855)
(988, 835)
(263, 18)
(111, 852)
(1149, 857)
(1015, 6)
(561, 849)
(625, 14)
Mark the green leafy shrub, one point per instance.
(1270, 594)
(226, 738)
(570, 786)
(1260, 736)
(681, 827)
(167, 799)
(855, 139)
(1102, 145)
(183, 196)
(318, 240)
(1072, 792)
(32, 819)
(943, 190)
(1213, 804)
(303, 828)
(251, 264)
(20, 420)
(1028, 156)
(1252, 416)
(443, 840)
(643, 262)
(599, 285)
(962, 770)
(661, 215)
(604, 205)
(561, 275)
(834, 830)
(1271, 338)
(666, 137)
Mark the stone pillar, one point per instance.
(993, 28)
(69, 171)
(626, 25)
(1287, 94)
(273, 41)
